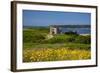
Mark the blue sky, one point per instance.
(46, 18)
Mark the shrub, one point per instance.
(71, 33)
(83, 39)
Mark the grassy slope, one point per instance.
(60, 47)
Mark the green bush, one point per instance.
(83, 39)
(71, 33)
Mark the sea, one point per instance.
(78, 30)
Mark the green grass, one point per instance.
(57, 45)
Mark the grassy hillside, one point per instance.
(39, 46)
